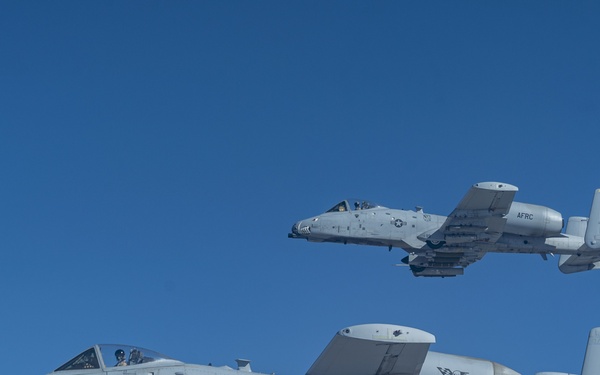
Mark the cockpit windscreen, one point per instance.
(85, 360)
(111, 355)
(355, 205)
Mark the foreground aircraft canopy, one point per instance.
(368, 349)
(109, 359)
(487, 219)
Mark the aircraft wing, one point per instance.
(488, 196)
(480, 214)
(477, 222)
(374, 349)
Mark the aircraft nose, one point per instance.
(299, 230)
(295, 228)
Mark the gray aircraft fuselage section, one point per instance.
(376, 226)
(172, 369)
(167, 367)
(410, 231)
(99, 360)
(163, 367)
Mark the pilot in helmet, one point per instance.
(120, 354)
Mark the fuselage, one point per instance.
(411, 231)
(376, 226)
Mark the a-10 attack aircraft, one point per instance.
(486, 220)
(368, 349)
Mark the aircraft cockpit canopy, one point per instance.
(107, 355)
(354, 205)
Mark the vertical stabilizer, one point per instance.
(592, 234)
(591, 361)
(576, 226)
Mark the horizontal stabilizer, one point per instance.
(374, 349)
(578, 263)
(592, 234)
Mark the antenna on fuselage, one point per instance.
(243, 365)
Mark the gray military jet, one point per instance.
(368, 349)
(486, 220)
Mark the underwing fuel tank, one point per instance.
(533, 220)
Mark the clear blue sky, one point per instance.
(154, 156)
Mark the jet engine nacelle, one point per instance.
(532, 220)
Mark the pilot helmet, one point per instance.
(119, 353)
